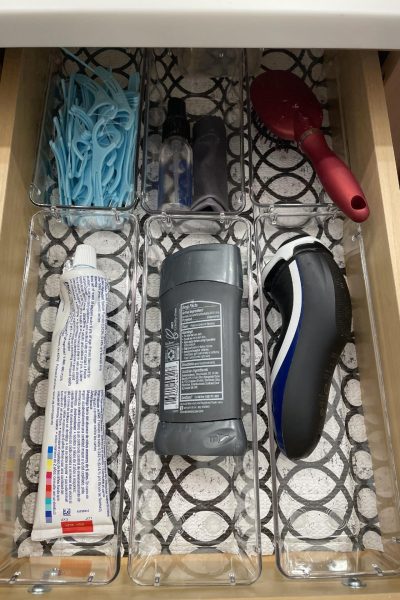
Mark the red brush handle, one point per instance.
(337, 179)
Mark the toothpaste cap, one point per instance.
(85, 256)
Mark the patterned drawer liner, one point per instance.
(279, 175)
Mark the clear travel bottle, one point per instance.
(176, 160)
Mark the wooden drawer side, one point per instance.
(372, 159)
(22, 89)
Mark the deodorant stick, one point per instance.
(200, 395)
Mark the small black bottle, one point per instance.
(210, 170)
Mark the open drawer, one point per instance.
(357, 106)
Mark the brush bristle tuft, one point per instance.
(267, 136)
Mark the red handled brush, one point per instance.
(289, 109)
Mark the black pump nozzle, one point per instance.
(176, 122)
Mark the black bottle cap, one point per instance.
(176, 122)
(209, 125)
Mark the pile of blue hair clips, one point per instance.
(95, 133)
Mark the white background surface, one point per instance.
(213, 23)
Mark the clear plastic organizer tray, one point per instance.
(212, 83)
(52, 240)
(282, 174)
(194, 520)
(336, 512)
(123, 63)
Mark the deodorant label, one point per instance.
(194, 358)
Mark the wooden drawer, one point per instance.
(391, 77)
(360, 96)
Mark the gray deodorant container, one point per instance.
(200, 395)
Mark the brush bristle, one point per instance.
(267, 136)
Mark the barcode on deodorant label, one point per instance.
(171, 386)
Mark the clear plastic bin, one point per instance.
(123, 62)
(336, 513)
(194, 520)
(53, 239)
(208, 87)
(282, 174)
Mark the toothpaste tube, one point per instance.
(73, 496)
